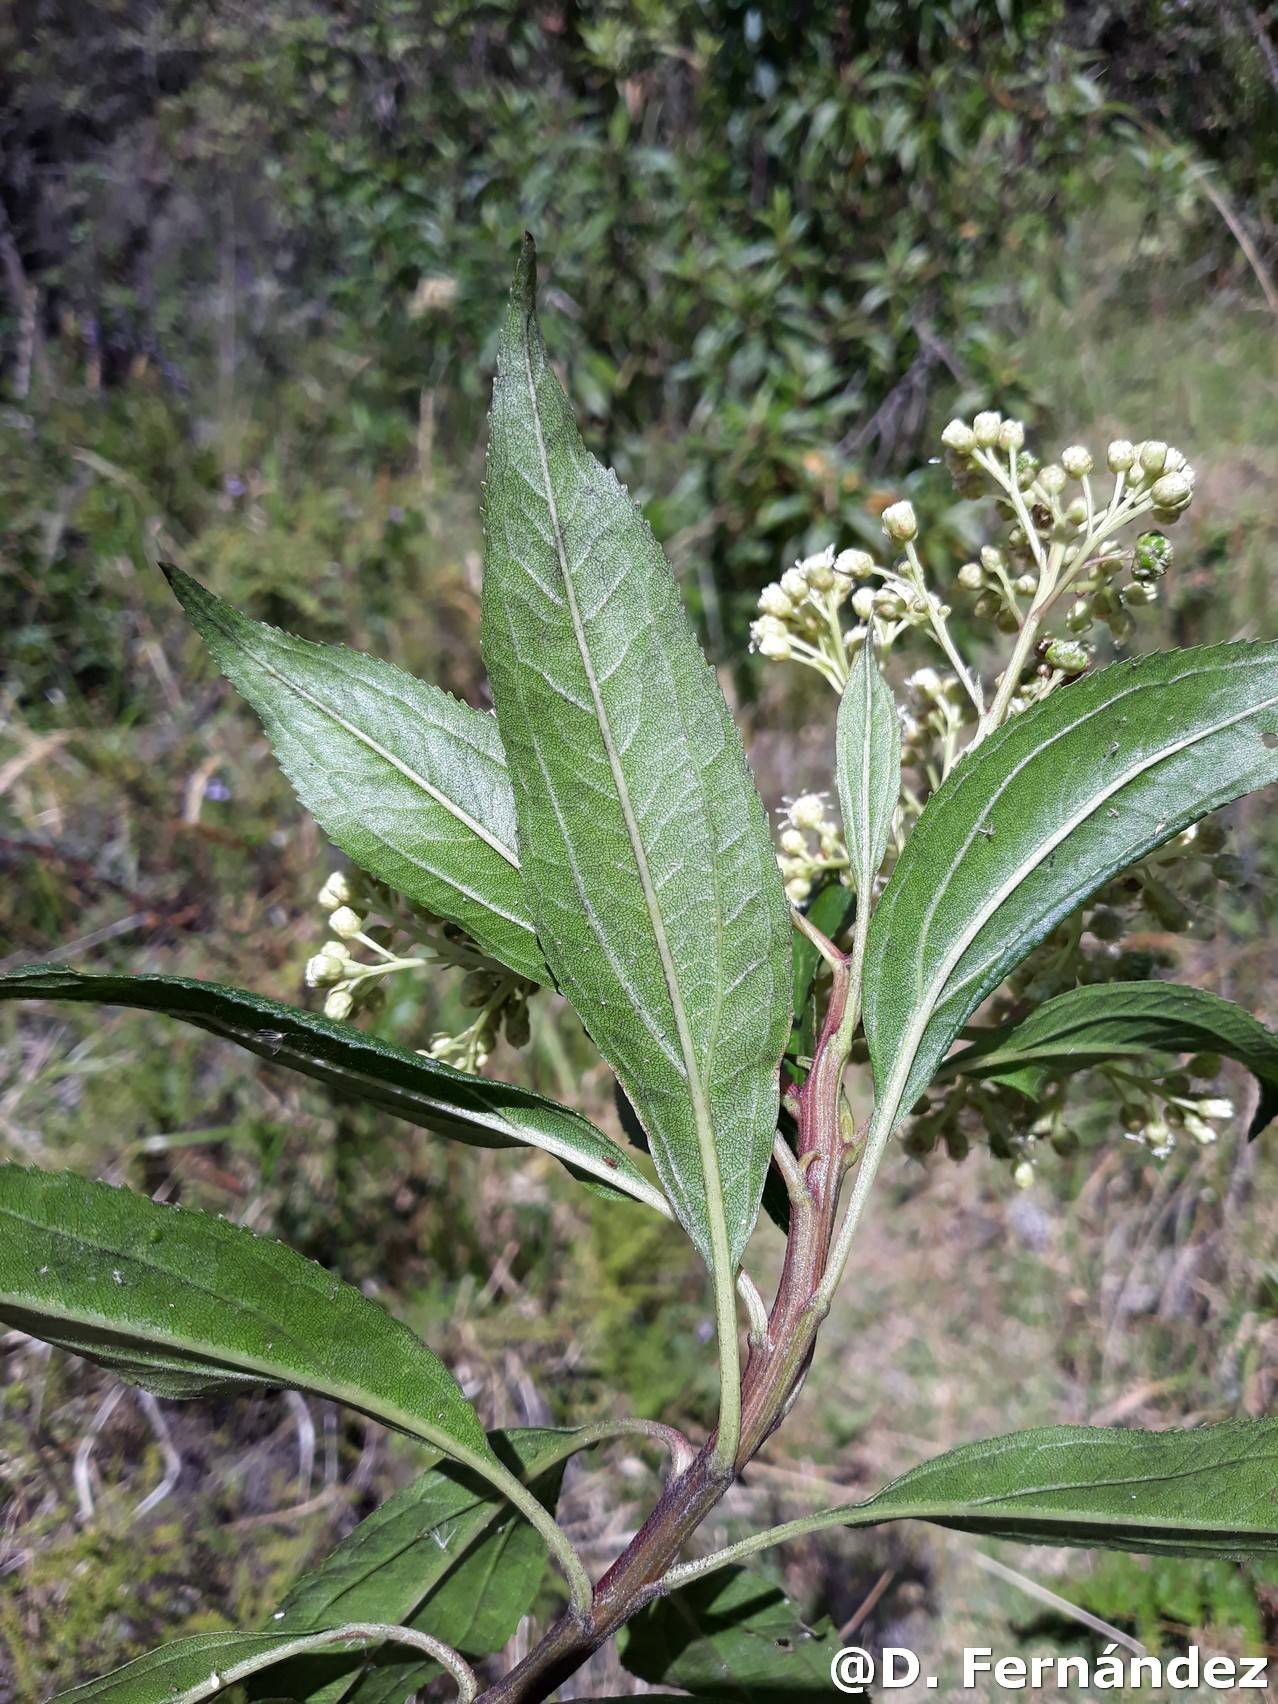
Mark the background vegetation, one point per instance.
(252, 262)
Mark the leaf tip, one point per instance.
(523, 291)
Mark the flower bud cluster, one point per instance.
(351, 968)
(1154, 1115)
(799, 614)
(811, 845)
(500, 1001)
(1062, 534)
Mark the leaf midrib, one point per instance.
(696, 1086)
(924, 1010)
(366, 739)
(235, 1360)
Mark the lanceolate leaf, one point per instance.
(1212, 1491)
(1124, 1020)
(645, 850)
(868, 743)
(446, 1555)
(182, 1303)
(410, 783)
(423, 1091)
(191, 1671)
(1036, 819)
(736, 1635)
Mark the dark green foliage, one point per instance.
(773, 234)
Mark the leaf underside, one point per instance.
(1210, 1491)
(423, 1091)
(1123, 1020)
(868, 748)
(644, 847)
(1038, 818)
(410, 783)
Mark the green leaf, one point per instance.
(190, 1671)
(645, 848)
(734, 1634)
(410, 783)
(868, 757)
(423, 1091)
(184, 1303)
(444, 1555)
(1039, 817)
(1211, 1491)
(1124, 1020)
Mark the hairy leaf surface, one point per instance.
(1039, 817)
(644, 846)
(408, 781)
(868, 747)
(423, 1091)
(182, 1303)
(1124, 1020)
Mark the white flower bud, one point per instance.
(794, 583)
(820, 576)
(817, 564)
(336, 891)
(863, 602)
(1023, 1174)
(985, 428)
(1174, 461)
(774, 602)
(889, 604)
(339, 1005)
(1052, 479)
(324, 970)
(970, 577)
(776, 646)
(345, 923)
(1199, 1129)
(797, 889)
(1025, 584)
(1120, 455)
(857, 564)
(926, 682)
(991, 559)
(959, 436)
(900, 523)
(1011, 435)
(1172, 491)
(1153, 456)
(1217, 1108)
(1076, 461)
(808, 811)
(792, 841)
